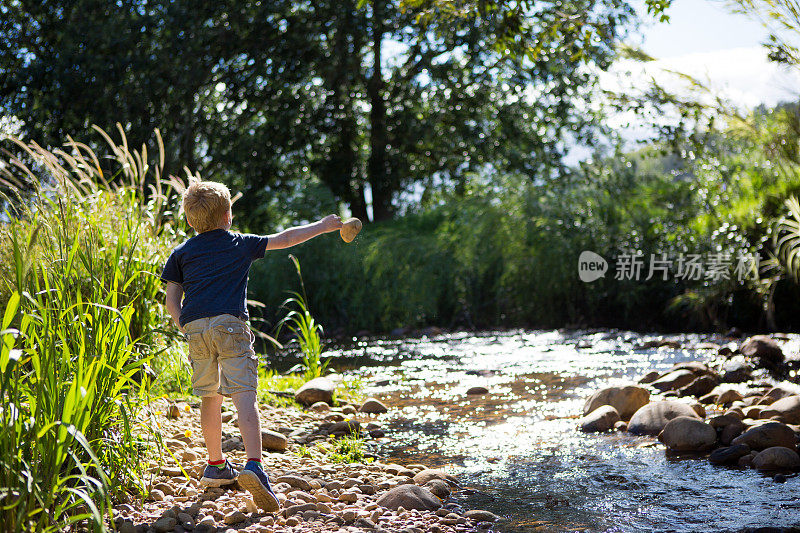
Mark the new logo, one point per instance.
(591, 266)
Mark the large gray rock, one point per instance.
(767, 435)
(686, 434)
(626, 399)
(653, 417)
(409, 497)
(777, 458)
(601, 419)
(316, 390)
(674, 380)
(787, 408)
(762, 347)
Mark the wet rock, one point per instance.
(788, 409)
(737, 370)
(698, 409)
(700, 386)
(777, 458)
(273, 441)
(728, 396)
(746, 461)
(650, 377)
(782, 390)
(653, 417)
(479, 515)
(685, 434)
(767, 435)
(709, 398)
(424, 476)
(695, 367)
(754, 411)
(439, 488)
(316, 390)
(730, 432)
(409, 497)
(476, 391)
(762, 347)
(626, 399)
(601, 419)
(673, 380)
(373, 406)
(729, 454)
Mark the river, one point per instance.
(516, 450)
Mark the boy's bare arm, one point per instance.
(174, 298)
(298, 234)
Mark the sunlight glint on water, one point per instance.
(517, 448)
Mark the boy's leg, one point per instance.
(211, 425)
(249, 423)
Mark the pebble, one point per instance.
(236, 517)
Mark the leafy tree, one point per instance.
(302, 103)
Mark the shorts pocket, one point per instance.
(232, 340)
(197, 346)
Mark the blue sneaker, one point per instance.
(214, 476)
(255, 480)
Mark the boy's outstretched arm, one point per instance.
(174, 297)
(298, 234)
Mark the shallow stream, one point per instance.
(517, 451)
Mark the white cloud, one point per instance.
(743, 76)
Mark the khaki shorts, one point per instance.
(222, 356)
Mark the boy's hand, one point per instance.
(332, 223)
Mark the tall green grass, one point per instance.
(82, 323)
(306, 330)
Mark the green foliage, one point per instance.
(284, 101)
(270, 382)
(348, 449)
(307, 332)
(786, 239)
(349, 390)
(82, 323)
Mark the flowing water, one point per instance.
(516, 449)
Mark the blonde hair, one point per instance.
(205, 203)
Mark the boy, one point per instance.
(206, 290)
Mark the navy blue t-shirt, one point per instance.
(212, 267)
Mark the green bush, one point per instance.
(82, 323)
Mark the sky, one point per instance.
(722, 49)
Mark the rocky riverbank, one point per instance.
(730, 409)
(316, 493)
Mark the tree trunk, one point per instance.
(376, 165)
